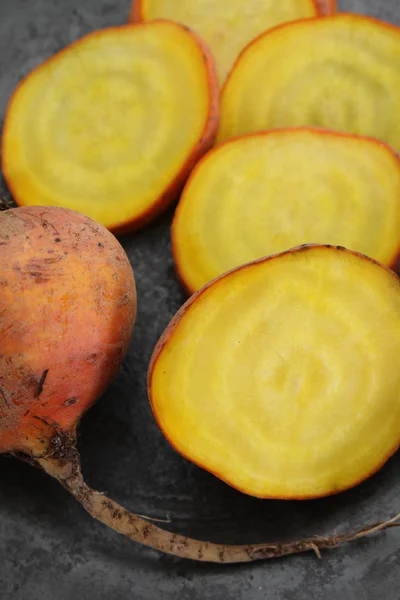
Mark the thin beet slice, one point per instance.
(263, 193)
(112, 125)
(68, 306)
(340, 73)
(278, 376)
(229, 25)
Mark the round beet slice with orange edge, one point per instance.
(278, 376)
(264, 193)
(340, 72)
(229, 25)
(112, 125)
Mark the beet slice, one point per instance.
(264, 193)
(278, 376)
(112, 125)
(339, 72)
(229, 25)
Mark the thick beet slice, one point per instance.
(112, 125)
(278, 377)
(339, 72)
(264, 193)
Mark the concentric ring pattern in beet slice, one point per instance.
(278, 377)
(229, 25)
(340, 72)
(264, 193)
(112, 125)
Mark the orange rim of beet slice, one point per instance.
(112, 125)
(278, 376)
(263, 193)
(339, 72)
(227, 26)
(326, 7)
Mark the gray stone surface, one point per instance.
(51, 550)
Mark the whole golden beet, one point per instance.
(67, 309)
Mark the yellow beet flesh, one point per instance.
(106, 127)
(265, 193)
(227, 26)
(278, 377)
(339, 72)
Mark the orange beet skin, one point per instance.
(67, 307)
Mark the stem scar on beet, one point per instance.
(41, 428)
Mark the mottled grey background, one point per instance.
(51, 550)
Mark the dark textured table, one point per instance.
(50, 549)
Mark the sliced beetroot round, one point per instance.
(263, 193)
(339, 72)
(278, 376)
(112, 125)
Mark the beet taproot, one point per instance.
(278, 376)
(227, 26)
(339, 72)
(112, 125)
(263, 193)
(67, 307)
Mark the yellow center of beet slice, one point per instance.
(265, 193)
(228, 25)
(340, 72)
(280, 377)
(112, 125)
